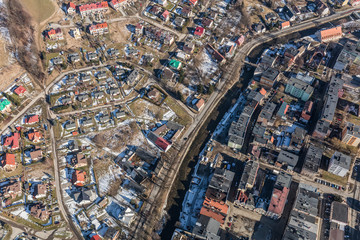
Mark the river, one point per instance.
(183, 179)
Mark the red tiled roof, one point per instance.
(219, 206)
(35, 136)
(53, 31)
(71, 5)
(114, 2)
(278, 201)
(78, 178)
(20, 90)
(12, 141)
(199, 31)
(95, 237)
(331, 32)
(217, 216)
(9, 159)
(285, 24)
(193, 2)
(165, 14)
(162, 143)
(32, 119)
(98, 26)
(93, 6)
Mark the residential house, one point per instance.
(284, 25)
(55, 34)
(31, 119)
(179, 21)
(36, 155)
(12, 141)
(92, 56)
(240, 40)
(215, 54)
(78, 161)
(199, 104)
(188, 47)
(351, 134)
(207, 22)
(82, 97)
(57, 60)
(11, 190)
(93, 8)
(186, 11)
(117, 4)
(279, 195)
(35, 136)
(175, 64)
(74, 57)
(78, 178)
(192, 2)
(287, 160)
(269, 77)
(339, 164)
(69, 125)
(5, 105)
(39, 211)
(70, 8)
(20, 90)
(99, 29)
(75, 33)
(160, 142)
(307, 111)
(165, 16)
(84, 195)
(8, 162)
(312, 160)
(330, 34)
(299, 89)
(98, 94)
(206, 228)
(199, 31)
(40, 190)
(167, 74)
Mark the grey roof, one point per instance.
(101, 75)
(82, 97)
(104, 118)
(298, 228)
(65, 100)
(222, 180)
(307, 202)
(113, 52)
(270, 74)
(331, 98)
(74, 57)
(84, 194)
(57, 60)
(322, 126)
(92, 55)
(259, 130)
(119, 114)
(132, 77)
(237, 129)
(85, 77)
(353, 129)
(283, 180)
(174, 126)
(268, 110)
(98, 94)
(207, 227)
(341, 160)
(86, 121)
(300, 85)
(70, 125)
(249, 174)
(248, 111)
(253, 95)
(114, 91)
(288, 157)
(313, 158)
(339, 212)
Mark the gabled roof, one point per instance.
(9, 160)
(193, 2)
(98, 26)
(20, 90)
(330, 32)
(32, 119)
(3, 103)
(199, 31)
(93, 6)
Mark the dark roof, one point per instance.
(313, 158)
(249, 174)
(288, 157)
(339, 212)
(207, 227)
(222, 179)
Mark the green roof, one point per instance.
(174, 63)
(3, 103)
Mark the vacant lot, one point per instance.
(40, 10)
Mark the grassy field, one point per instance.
(40, 10)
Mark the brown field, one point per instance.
(40, 10)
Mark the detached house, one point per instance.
(99, 29)
(93, 8)
(39, 211)
(31, 119)
(117, 4)
(8, 162)
(70, 8)
(55, 34)
(165, 16)
(199, 31)
(12, 141)
(40, 190)
(78, 178)
(35, 136)
(19, 90)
